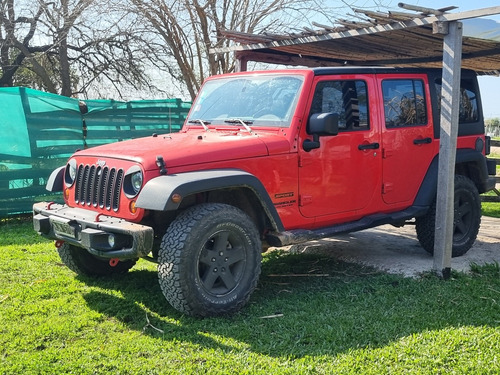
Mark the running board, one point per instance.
(297, 236)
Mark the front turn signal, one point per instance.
(132, 207)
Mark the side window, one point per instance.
(404, 102)
(468, 101)
(349, 99)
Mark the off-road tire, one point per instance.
(83, 263)
(466, 221)
(209, 260)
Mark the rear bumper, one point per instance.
(103, 236)
(490, 184)
(491, 165)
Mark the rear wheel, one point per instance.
(209, 260)
(466, 221)
(83, 263)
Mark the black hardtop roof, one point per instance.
(380, 70)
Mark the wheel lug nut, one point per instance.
(213, 259)
(221, 253)
(215, 269)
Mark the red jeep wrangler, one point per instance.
(282, 156)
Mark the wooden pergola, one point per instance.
(415, 37)
(401, 39)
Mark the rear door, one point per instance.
(408, 145)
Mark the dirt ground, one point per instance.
(397, 250)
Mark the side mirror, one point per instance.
(324, 124)
(321, 124)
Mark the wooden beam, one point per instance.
(329, 28)
(403, 16)
(375, 15)
(450, 100)
(422, 10)
(423, 60)
(271, 57)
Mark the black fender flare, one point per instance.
(157, 193)
(481, 163)
(428, 189)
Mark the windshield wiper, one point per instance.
(245, 123)
(200, 121)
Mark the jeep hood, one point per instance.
(192, 147)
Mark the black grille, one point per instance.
(98, 186)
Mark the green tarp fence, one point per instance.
(39, 131)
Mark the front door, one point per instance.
(343, 175)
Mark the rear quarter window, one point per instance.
(468, 112)
(470, 117)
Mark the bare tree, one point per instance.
(187, 29)
(69, 45)
(16, 42)
(99, 41)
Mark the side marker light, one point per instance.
(176, 198)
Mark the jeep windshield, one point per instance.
(259, 100)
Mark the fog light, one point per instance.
(111, 240)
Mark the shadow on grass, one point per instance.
(144, 308)
(321, 306)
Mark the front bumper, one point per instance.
(103, 236)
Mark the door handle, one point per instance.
(422, 141)
(369, 146)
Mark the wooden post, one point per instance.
(241, 63)
(450, 101)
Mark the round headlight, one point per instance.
(70, 174)
(136, 179)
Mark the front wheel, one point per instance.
(466, 219)
(209, 260)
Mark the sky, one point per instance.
(490, 86)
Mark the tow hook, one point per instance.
(59, 243)
(113, 262)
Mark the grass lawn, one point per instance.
(491, 208)
(347, 319)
